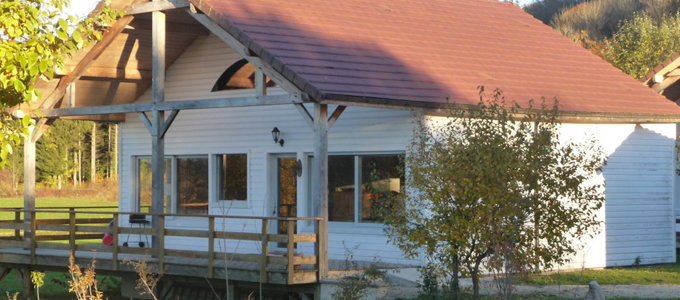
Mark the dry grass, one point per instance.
(104, 190)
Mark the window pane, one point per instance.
(192, 185)
(232, 176)
(144, 184)
(381, 183)
(341, 188)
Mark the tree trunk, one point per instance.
(456, 279)
(93, 155)
(115, 150)
(80, 164)
(59, 181)
(75, 169)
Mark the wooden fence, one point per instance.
(76, 228)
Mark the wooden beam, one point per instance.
(242, 50)
(260, 83)
(170, 105)
(107, 73)
(320, 184)
(29, 179)
(108, 37)
(673, 73)
(305, 114)
(659, 87)
(168, 122)
(170, 28)
(146, 121)
(336, 114)
(153, 6)
(40, 128)
(157, 143)
(70, 96)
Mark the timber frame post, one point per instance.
(29, 179)
(320, 123)
(158, 119)
(320, 184)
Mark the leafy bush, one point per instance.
(642, 43)
(601, 19)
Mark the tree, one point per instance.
(600, 19)
(643, 43)
(545, 10)
(483, 187)
(56, 150)
(35, 40)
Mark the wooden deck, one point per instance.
(59, 232)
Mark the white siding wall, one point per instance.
(638, 212)
(639, 176)
(248, 130)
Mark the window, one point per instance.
(240, 75)
(232, 177)
(144, 185)
(192, 185)
(362, 187)
(186, 184)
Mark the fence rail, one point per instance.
(77, 228)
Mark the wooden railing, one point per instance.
(68, 224)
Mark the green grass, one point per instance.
(56, 282)
(55, 202)
(652, 274)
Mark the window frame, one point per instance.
(174, 184)
(357, 190)
(224, 204)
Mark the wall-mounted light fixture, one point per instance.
(275, 135)
(298, 168)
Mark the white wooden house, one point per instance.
(340, 81)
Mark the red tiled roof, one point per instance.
(423, 51)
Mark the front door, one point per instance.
(286, 192)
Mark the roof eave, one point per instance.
(441, 109)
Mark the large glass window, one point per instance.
(341, 189)
(185, 188)
(382, 181)
(232, 177)
(192, 185)
(362, 188)
(144, 185)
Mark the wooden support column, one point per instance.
(320, 184)
(29, 179)
(158, 120)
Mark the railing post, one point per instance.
(114, 255)
(34, 236)
(211, 247)
(264, 260)
(290, 252)
(72, 230)
(17, 220)
(161, 242)
(321, 258)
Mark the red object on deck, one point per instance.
(107, 240)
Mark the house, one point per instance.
(271, 115)
(663, 79)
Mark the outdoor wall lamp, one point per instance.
(275, 135)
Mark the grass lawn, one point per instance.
(653, 274)
(55, 202)
(56, 283)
